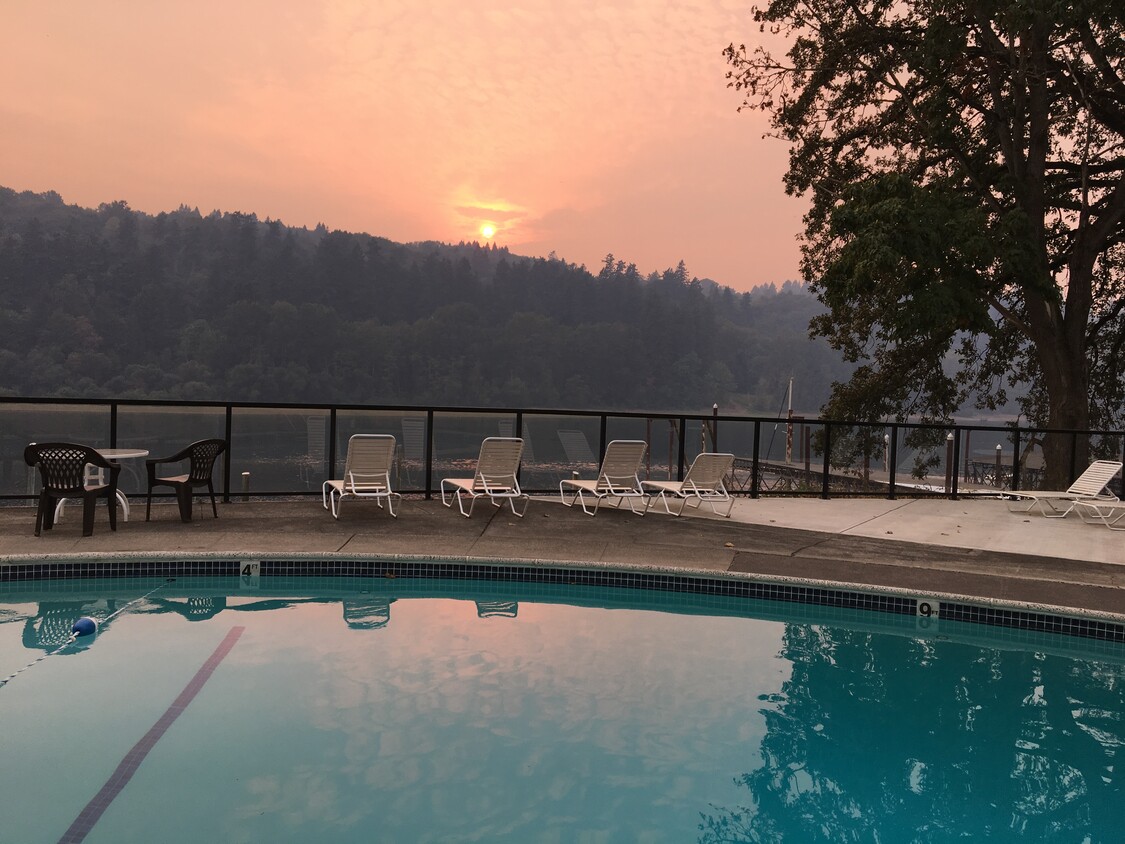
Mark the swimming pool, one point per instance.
(360, 709)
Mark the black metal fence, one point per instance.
(291, 449)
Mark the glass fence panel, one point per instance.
(737, 438)
(859, 461)
(924, 461)
(1073, 453)
(21, 424)
(457, 438)
(409, 431)
(994, 459)
(161, 432)
(987, 457)
(639, 428)
(697, 439)
(790, 456)
(664, 449)
(278, 450)
(555, 446)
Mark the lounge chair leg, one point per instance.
(597, 504)
(562, 495)
(512, 504)
(460, 504)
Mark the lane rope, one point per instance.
(74, 636)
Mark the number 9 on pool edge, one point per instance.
(927, 613)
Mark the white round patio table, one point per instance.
(96, 475)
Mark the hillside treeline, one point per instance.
(117, 303)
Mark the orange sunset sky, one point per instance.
(581, 127)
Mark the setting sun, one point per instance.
(487, 229)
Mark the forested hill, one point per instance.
(116, 303)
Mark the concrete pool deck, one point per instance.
(972, 548)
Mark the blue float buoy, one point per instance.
(85, 626)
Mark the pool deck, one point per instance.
(972, 548)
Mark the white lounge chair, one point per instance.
(618, 478)
(495, 478)
(1090, 486)
(367, 473)
(703, 484)
(1108, 513)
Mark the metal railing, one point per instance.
(287, 450)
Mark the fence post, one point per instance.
(807, 450)
(956, 461)
(429, 453)
(755, 469)
(332, 443)
(892, 463)
(950, 469)
(682, 446)
(1017, 458)
(228, 455)
(824, 482)
(113, 425)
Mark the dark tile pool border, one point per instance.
(1028, 620)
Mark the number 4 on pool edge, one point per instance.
(248, 571)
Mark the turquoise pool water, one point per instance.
(397, 711)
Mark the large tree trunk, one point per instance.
(1065, 380)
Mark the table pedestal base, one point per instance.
(121, 500)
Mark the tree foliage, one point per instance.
(965, 163)
(115, 303)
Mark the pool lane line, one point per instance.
(133, 759)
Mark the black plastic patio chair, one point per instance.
(201, 457)
(62, 469)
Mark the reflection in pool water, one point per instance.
(428, 711)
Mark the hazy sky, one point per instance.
(579, 127)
